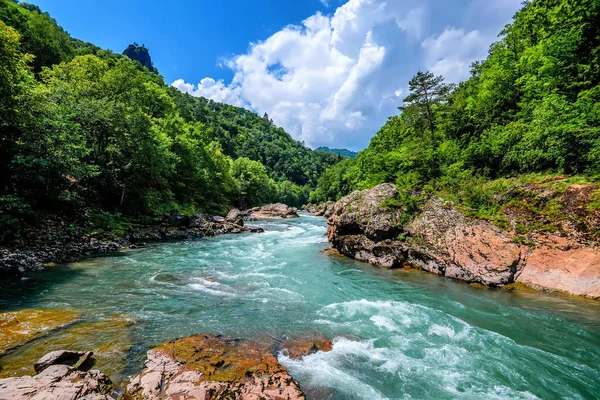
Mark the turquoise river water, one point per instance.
(397, 334)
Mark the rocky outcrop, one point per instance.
(214, 367)
(444, 241)
(370, 226)
(271, 211)
(57, 381)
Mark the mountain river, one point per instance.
(400, 334)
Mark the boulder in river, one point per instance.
(214, 367)
(271, 211)
(235, 217)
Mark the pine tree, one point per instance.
(427, 91)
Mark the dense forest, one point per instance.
(94, 135)
(530, 110)
(340, 152)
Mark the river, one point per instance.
(397, 334)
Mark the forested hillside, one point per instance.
(340, 152)
(94, 135)
(532, 108)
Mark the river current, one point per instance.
(397, 334)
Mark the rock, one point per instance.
(298, 348)
(442, 240)
(177, 219)
(213, 367)
(57, 382)
(235, 217)
(217, 219)
(463, 248)
(58, 357)
(253, 229)
(271, 211)
(558, 264)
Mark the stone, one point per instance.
(212, 367)
(271, 211)
(558, 264)
(463, 248)
(58, 357)
(235, 217)
(57, 382)
(443, 240)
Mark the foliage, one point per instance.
(340, 152)
(533, 106)
(89, 134)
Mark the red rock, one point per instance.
(559, 265)
(209, 367)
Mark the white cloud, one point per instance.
(451, 53)
(334, 79)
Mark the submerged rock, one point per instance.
(213, 367)
(20, 327)
(271, 211)
(109, 339)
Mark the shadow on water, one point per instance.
(28, 291)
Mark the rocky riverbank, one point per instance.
(60, 244)
(198, 367)
(370, 226)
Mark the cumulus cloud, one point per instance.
(451, 53)
(334, 79)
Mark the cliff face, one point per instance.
(442, 240)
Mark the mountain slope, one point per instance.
(96, 137)
(341, 152)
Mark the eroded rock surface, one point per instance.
(271, 211)
(57, 382)
(369, 226)
(212, 367)
(558, 263)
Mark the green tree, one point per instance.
(427, 92)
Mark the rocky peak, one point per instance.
(140, 54)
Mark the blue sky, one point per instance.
(329, 71)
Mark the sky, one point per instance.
(330, 72)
